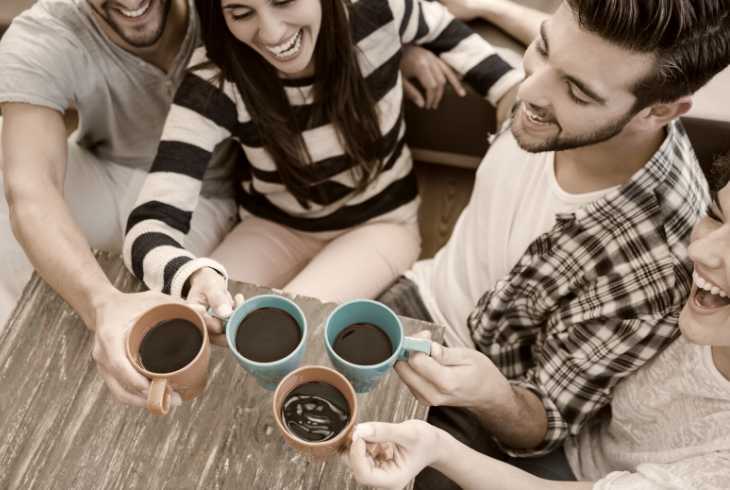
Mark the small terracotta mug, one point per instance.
(307, 374)
(190, 380)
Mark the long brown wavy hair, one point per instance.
(340, 97)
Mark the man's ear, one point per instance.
(662, 113)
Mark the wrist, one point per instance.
(99, 300)
(491, 11)
(446, 447)
(496, 396)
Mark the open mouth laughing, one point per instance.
(288, 49)
(708, 296)
(537, 118)
(138, 12)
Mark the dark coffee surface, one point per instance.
(315, 411)
(267, 334)
(363, 343)
(170, 345)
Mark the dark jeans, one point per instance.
(404, 299)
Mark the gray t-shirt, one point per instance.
(56, 55)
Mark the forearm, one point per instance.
(517, 419)
(522, 23)
(473, 470)
(58, 250)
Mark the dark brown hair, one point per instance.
(340, 97)
(689, 38)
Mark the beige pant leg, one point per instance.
(359, 263)
(265, 253)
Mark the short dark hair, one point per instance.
(690, 40)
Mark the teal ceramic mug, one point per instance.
(267, 374)
(365, 377)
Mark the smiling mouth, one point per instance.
(135, 14)
(289, 48)
(708, 296)
(535, 118)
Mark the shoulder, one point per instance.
(50, 20)
(52, 32)
(376, 12)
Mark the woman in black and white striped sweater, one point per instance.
(312, 93)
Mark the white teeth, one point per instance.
(288, 48)
(534, 117)
(707, 286)
(136, 13)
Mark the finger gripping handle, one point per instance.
(412, 344)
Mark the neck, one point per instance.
(606, 164)
(721, 357)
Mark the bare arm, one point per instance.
(34, 170)
(472, 470)
(390, 455)
(520, 22)
(518, 419)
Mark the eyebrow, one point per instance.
(232, 6)
(578, 83)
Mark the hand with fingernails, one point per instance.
(208, 288)
(455, 377)
(115, 317)
(109, 350)
(389, 456)
(431, 72)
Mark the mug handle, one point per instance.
(412, 344)
(158, 400)
(220, 339)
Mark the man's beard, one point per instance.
(134, 37)
(561, 143)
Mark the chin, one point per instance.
(705, 331)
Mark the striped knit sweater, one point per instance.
(204, 115)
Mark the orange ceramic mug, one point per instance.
(189, 380)
(321, 374)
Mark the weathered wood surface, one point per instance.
(61, 428)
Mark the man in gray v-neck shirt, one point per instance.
(117, 64)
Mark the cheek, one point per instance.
(241, 31)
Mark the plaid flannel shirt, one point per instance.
(599, 295)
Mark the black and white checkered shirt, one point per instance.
(599, 295)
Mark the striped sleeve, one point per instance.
(430, 24)
(201, 117)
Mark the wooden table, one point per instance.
(61, 427)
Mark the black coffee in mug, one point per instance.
(363, 343)
(315, 411)
(267, 335)
(170, 345)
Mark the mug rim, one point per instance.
(315, 444)
(152, 374)
(386, 362)
(232, 347)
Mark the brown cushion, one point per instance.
(710, 138)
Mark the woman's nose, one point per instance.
(710, 246)
(272, 29)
